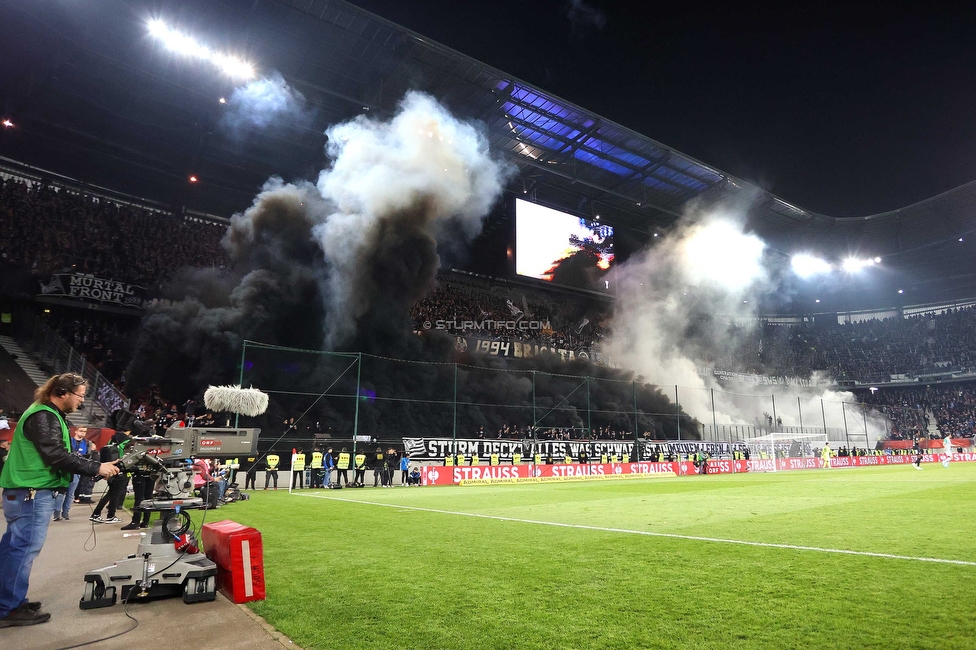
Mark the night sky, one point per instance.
(847, 111)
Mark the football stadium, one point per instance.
(260, 260)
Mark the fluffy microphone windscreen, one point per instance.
(246, 401)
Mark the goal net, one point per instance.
(786, 445)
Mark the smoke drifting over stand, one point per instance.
(675, 308)
(334, 264)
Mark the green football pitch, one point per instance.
(852, 558)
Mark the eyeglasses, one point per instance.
(77, 395)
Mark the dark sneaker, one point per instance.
(34, 606)
(132, 526)
(65, 517)
(112, 520)
(24, 615)
(96, 519)
(143, 525)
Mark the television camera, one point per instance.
(168, 561)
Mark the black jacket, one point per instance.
(43, 429)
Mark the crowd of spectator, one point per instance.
(571, 326)
(867, 351)
(49, 230)
(952, 407)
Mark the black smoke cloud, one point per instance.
(333, 265)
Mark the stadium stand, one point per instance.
(48, 229)
(70, 229)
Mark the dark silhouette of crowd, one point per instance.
(49, 230)
(573, 325)
(952, 407)
(869, 351)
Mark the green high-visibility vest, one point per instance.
(24, 467)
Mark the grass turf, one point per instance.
(358, 575)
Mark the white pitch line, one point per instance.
(648, 533)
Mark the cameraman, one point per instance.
(39, 466)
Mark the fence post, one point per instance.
(677, 412)
(847, 435)
(799, 410)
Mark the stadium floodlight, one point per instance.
(853, 265)
(807, 266)
(188, 46)
(7, 124)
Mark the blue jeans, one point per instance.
(326, 476)
(62, 502)
(27, 523)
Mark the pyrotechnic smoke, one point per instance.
(688, 303)
(338, 264)
(264, 103)
(398, 187)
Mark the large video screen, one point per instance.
(557, 247)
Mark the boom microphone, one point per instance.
(245, 401)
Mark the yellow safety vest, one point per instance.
(626, 458)
(568, 460)
(273, 461)
(494, 460)
(360, 461)
(316, 460)
(538, 459)
(603, 459)
(343, 461)
(613, 458)
(299, 463)
(460, 459)
(516, 459)
(475, 460)
(449, 460)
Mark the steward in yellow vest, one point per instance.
(271, 470)
(360, 477)
(316, 466)
(298, 471)
(342, 467)
(516, 459)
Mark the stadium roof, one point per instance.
(105, 104)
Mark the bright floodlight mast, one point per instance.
(187, 46)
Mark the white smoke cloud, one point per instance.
(674, 305)
(263, 103)
(419, 175)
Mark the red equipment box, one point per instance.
(239, 555)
